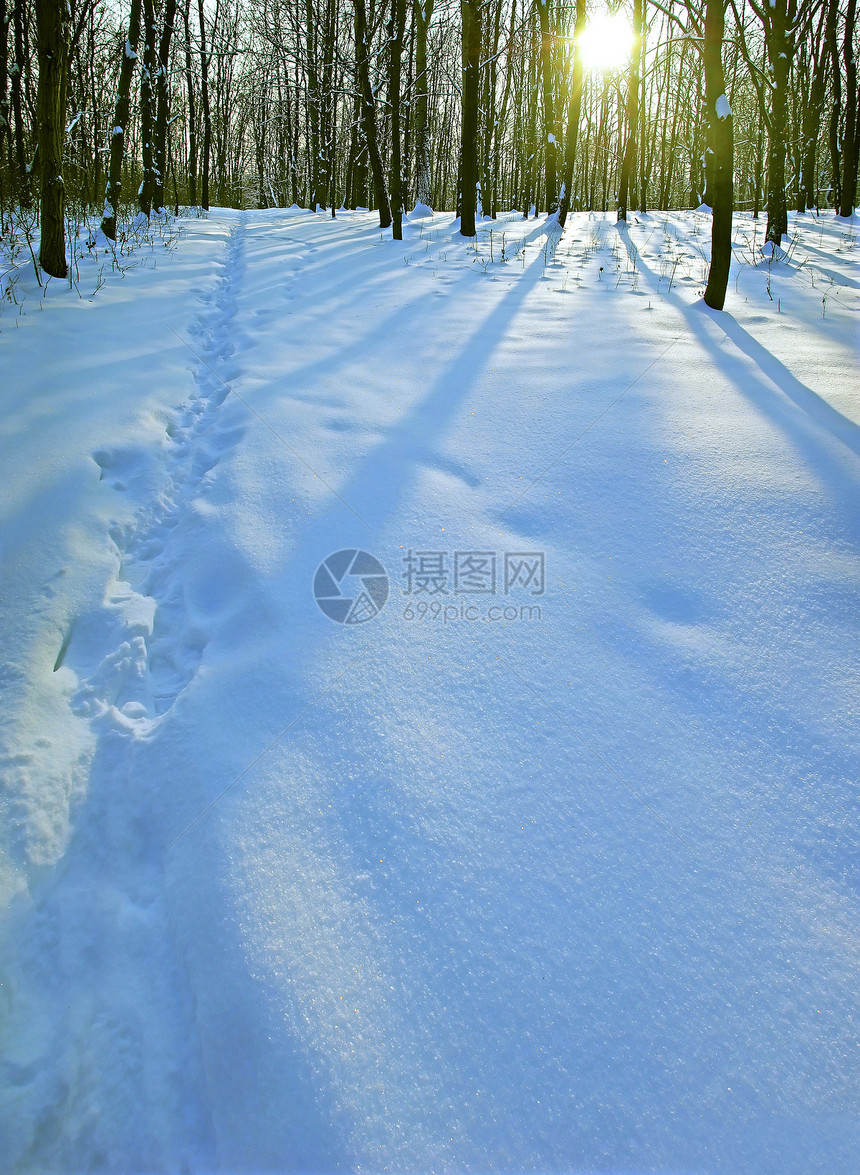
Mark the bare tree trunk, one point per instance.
(368, 114)
(409, 92)
(777, 21)
(722, 147)
(96, 139)
(120, 123)
(53, 19)
(358, 155)
(530, 129)
(5, 105)
(629, 161)
(192, 114)
(204, 102)
(470, 12)
(849, 137)
(498, 116)
(815, 105)
(487, 100)
(423, 12)
(147, 77)
(574, 108)
(23, 176)
(313, 106)
(550, 128)
(397, 28)
(161, 109)
(645, 146)
(329, 108)
(835, 111)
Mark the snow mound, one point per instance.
(773, 252)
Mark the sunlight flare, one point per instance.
(606, 42)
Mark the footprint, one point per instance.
(153, 649)
(120, 468)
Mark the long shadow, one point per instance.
(428, 419)
(395, 457)
(819, 410)
(754, 387)
(839, 279)
(376, 489)
(377, 266)
(425, 427)
(794, 266)
(389, 327)
(431, 416)
(377, 486)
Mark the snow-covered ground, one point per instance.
(549, 866)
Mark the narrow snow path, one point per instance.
(121, 1030)
(568, 885)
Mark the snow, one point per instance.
(772, 252)
(575, 891)
(722, 107)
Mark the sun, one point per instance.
(606, 42)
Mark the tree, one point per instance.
(207, 112)
(368, 113)
(550, 128)
(494, 112)
(147, 78)
(192, 115)
(287, 102)
(22, 173)
(53, 20)
(161, 107)
(5, 103)
(396, 30)
(470, 14)
(128, 60)
(814, 108)
(850, 143)
(574, 107)
(628, 163)
(779, 20)
(423, 10)
(314, 104)
(721, 146)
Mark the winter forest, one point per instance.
(429, 587)
(542, 107)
